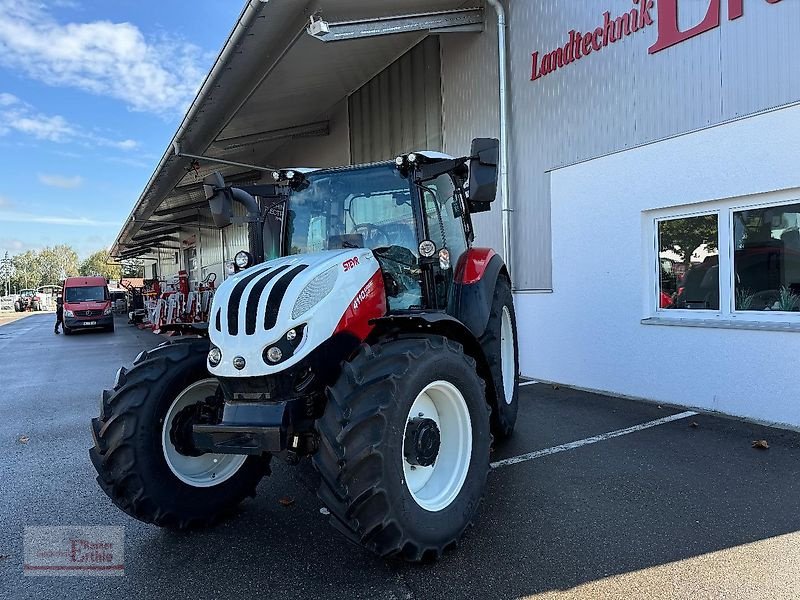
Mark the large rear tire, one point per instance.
(388, 484)
(137, 463)
(499, 343)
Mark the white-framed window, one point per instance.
(732, 260)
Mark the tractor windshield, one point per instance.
(369, 207)
(365, 207)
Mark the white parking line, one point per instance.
(590, 440)
(527, 383)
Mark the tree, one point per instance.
(100, 264)
(48, 266)
(684, 236)
(133, 267)
(57, 263)
(27, 270)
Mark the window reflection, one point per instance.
(767, 258)
(689, 263)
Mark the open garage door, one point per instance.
(400, 109)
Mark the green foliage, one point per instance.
(684, 236)
(744, 299)
(100, 264)
(133, 267)
(47, 266)
(787, 300)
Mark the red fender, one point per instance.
(472, 265)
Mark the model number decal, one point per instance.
(350, 263)
(363, 295)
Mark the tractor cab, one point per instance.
(412, 213)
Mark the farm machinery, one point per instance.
(362, 331)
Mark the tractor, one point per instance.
(362, 330)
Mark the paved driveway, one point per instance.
(682, 508)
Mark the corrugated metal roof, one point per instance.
(269, 75)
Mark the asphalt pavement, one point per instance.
(682, 509)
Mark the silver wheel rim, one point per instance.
(508, 365)
(434, 488)
(203, 471)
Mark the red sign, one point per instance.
(668, 32)
(639, 17)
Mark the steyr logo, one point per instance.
(350, 263)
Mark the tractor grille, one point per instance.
(279, 277)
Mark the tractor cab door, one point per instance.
(443, 212)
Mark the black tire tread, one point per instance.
(348, 462)
(113, 455)
(502, 425)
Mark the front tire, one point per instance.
(140, 469)
(387, 488)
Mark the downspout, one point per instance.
(502, 56)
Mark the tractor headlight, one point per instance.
(243, 259)
(285, 347)
(274, 354)
(214, 356)
(315, 291)
(69, 313)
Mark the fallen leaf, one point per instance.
(761, 444)
(324, 511)
(286, 501)
(555, 387)
(23, 439)
(693, 424)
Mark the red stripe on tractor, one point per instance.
(472, 265)
(369, 303)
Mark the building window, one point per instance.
(689, 263)
(766, 258)
(736, 260)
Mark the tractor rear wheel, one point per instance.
(404, 450)
(143, 460)
(499, 343)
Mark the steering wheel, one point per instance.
(369, 234)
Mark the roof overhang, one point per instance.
(272, 82)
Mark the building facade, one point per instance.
(654, 173)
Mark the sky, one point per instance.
(91, 93)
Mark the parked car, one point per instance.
(87, 304)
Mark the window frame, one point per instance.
(724, 210)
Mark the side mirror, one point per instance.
(219, 199)
(483, 173)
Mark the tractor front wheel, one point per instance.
(404, 450)
(142, 449)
